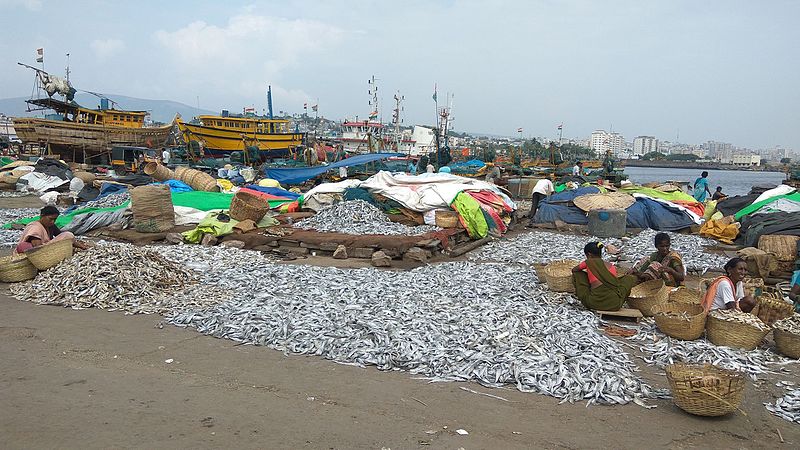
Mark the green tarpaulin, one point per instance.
(655, 193)
(756, 206)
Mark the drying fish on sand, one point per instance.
(449, 322)
(109, 201)
(790, 324)
(9, 215)
(786, 407)
(119, 277)
(661, 350)
(359, 217)
(690, 247)
(9, 238)
(732, 315)
(13, 194)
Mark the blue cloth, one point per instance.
(111, 188)
(795, 278)
(700, 187)
(648, 213)
(568, 195)
(300, 174)
(549, 213)
(176, 186)
(444, 169)
(274, 191)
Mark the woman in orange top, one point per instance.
(727, 291)
(596, 283)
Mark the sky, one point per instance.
(692, 71)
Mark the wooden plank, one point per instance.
(623, 314)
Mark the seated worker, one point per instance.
(727, 291)
(794, 290)
(718, 195)
(661, 264)
(44, 230)
(596, 282)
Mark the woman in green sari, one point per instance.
(596, 283)
(662, 264)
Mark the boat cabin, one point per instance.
(72, 112)
(246, 124)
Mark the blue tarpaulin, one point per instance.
(300, 174)
(274, 191)
(176, 186)
(470, 163)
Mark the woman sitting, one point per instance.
(661, 264)
(727, 291)
(596, 282)
(44, 230)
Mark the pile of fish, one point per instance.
(359, 217)
(109, 201)
(10, 215)
(790, 324)
(545, 246)
(787, 407)
(216, 265)
(13, 194)
(9, 238)
(732, 315)
(682, 315)
(442, 322)
(661, 350)
(120, 277)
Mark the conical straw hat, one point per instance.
(611, 200)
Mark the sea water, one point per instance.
(733, 182)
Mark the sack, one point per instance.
(152, 209)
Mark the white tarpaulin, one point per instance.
(780, 190)
(40, 182)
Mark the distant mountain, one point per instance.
(160, 110)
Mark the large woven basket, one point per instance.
(677, 327)
(158, 171)
(14, 269)
(205, 183)
(705, 390)
(788, 344)
(179, 172)
(646, 295)
(733, 334)
(558, 275)
(248, 206)
(686, 296)
(772, 308)
(50, 254)
(753, 286)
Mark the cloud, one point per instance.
(242, 56)
(105, 48)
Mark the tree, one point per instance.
(653, 156)
(786, 160)
(683, 157)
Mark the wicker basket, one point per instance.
(705, 390)
(753, 286)
(50, 254)
(14, 269)
(686, 296)
(772, 308)
(677, 327)
(558, 275)
(446, 219)
(788, 344)
(204, 182)
(179, 171)
(733, 334)
(248, 206)
(158, 171)
(784, 247)
(646, 295)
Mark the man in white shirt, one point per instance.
(542, 189)
(576, 169)
(165, 156)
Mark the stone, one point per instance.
(328, 246)
(379, 259)
(174, 238)
(417, 254)
(340, 252)
(234, 244)
(209, 240)
(362, 252)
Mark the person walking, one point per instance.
(701, 187)
(543, 189)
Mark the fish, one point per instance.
(786, 407)
(359, 217)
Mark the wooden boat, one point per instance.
(219, 136)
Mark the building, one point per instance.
(746, 160)
(720, 151)
(643, 145)
(603, 141)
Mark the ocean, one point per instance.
(733, 182)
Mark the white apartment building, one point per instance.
(747, 160)
(643, 145)
(602, 141)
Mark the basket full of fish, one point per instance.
(647, 295)
(787, 336)
(680, 320)
(733, 328)
(558, 275)
(705, 389)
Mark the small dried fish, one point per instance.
(109, 201)
(732, 315)
(786, 407)
(359, 217)
(790, 324)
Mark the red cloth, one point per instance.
(491, 199)
(695, 207)
(593, 280)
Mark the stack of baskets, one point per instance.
(705, 390)
(50, 254)
(158, 172)
(647, 295)
(787, 336)
(558, 275)
(686, 296)
(245, 205)
(733, 333)
(14, 269)
(199, 181)
(680, 320)
(753, 286)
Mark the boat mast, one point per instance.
(396, 120)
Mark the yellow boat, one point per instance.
(218, 136)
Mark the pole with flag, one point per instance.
(436, 105)
(560, 130)
(40, 56)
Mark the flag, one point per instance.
(561, 126)
(249, 110)
(373, 115)
(519, 130)
(434, 92)
(314, 108)
(40, 55)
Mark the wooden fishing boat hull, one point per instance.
(220, 142)
(70, 138)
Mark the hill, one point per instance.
(160, 110)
